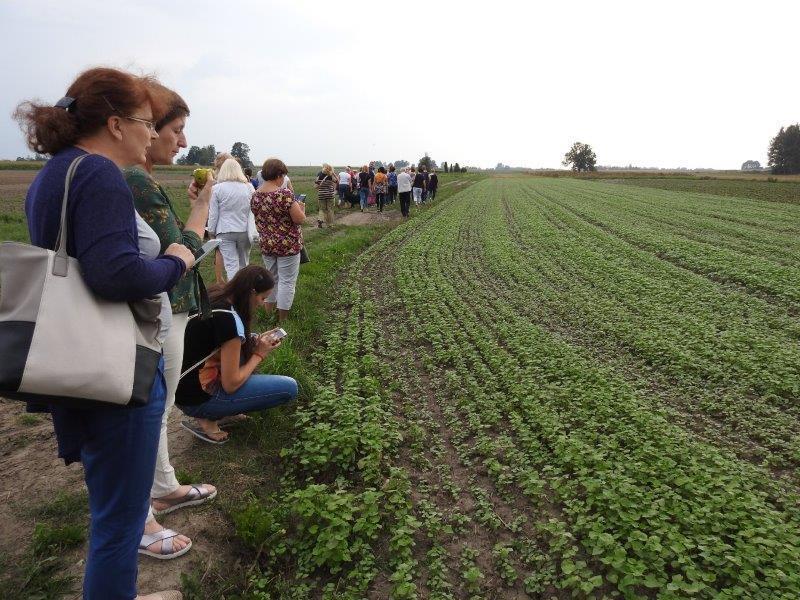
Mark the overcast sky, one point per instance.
(668, 84)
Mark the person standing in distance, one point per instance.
(433, 185)
(404, 192)
(417, 185)
(344, 186)
(392, 187)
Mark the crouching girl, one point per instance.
(218, 384)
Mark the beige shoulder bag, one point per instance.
(59, 342)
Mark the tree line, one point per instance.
(205, 155)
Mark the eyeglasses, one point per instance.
(150, 125)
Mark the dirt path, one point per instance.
(363, 218)
(34, 479)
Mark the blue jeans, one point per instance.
(363, 194)
(343, 191)
(257, 393)
(119, 460)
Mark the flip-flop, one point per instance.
(197, 431)
(165, 537)
(197, 494)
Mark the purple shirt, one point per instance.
(101, 226)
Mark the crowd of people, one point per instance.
(374, 187)
(112, 128)
(265, 209)
(131, 245)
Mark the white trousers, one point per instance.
(284, 270)
(235, 250)
(165, 482)
(417, 195)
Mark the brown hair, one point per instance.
(273, 168)
(98, 94)
(252, 278)
(167, 104)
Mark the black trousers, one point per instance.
(405, 203)
(380, 199)
(392, 193)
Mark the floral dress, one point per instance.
(280, 236)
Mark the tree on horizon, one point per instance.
(784, 151)
(199, 156)
(580, 157)
(241, 151)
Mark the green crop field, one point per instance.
(537, 387)
(780, 191)
(551, 388)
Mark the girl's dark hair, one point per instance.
(382, 170)
(391, 168)
(253, 278)
(273, 168)
(98, 94)
(167, 104)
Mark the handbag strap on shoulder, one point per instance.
(60, 264)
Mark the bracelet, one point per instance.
(261, 356)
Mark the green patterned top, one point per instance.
(154, 206)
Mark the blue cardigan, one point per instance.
(102, 235)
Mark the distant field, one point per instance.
(781, 191)
(663, 174)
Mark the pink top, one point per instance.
(280, 236)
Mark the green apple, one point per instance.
(200, 176)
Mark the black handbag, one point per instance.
(304, 256)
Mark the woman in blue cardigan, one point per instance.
(107, 114)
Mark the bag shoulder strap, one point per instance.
(60, 264)
(198, 363)
(213, 352)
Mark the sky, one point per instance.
(698, 84)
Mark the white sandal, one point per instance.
(197, 494)
(164, 536)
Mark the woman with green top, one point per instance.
(154, 206)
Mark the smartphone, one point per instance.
(300, 197)
(208, 248)
(279, 334)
